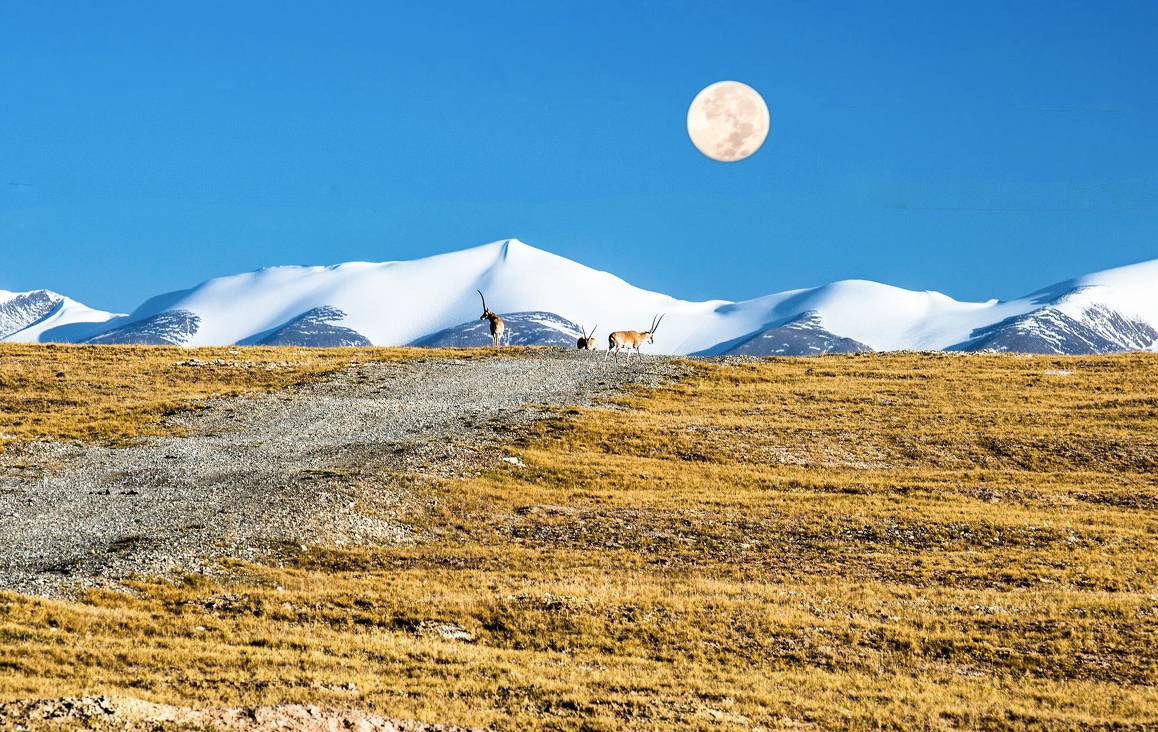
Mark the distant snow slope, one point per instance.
(395, 303)
(29, 316)
(433, 300)
(1104, 312)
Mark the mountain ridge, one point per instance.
(401, 302)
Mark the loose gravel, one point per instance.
(127, 714)
(327, 463)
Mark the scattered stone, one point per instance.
(449, 631)
(123, 713)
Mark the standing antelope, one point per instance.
(587, 340)
(632, 339)
(497, 325)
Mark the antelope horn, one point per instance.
(592, 332)
(483, 299)
(655, 325)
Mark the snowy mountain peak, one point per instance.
(18, 310)
(432, 300)
(29, 316)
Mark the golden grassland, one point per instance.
(114, 393)
(910, 540)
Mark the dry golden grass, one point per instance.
(867, 541)
(90, 393)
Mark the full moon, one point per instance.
(728, 121)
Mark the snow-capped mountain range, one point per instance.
(544, 298)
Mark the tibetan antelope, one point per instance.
(497, 325)
(587, 340)
(632, 339)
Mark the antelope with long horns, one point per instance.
(587, 340)
(632, 339)
(497, 324)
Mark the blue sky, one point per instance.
(981, 149)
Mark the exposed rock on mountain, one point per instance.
(802, 336)
(1049, 330)
(170, 328)
(317, 327)
(522, 329)
(18, 310)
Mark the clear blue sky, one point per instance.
(981, 149)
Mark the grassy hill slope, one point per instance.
(906, 540)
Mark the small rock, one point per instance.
(449, 631)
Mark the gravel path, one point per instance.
(323, 463)
(124, 713)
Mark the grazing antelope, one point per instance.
(632, 339)
(587, 340)
(497, 325)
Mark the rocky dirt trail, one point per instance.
(324, 463)
(124, 713)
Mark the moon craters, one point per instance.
(728, 121)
